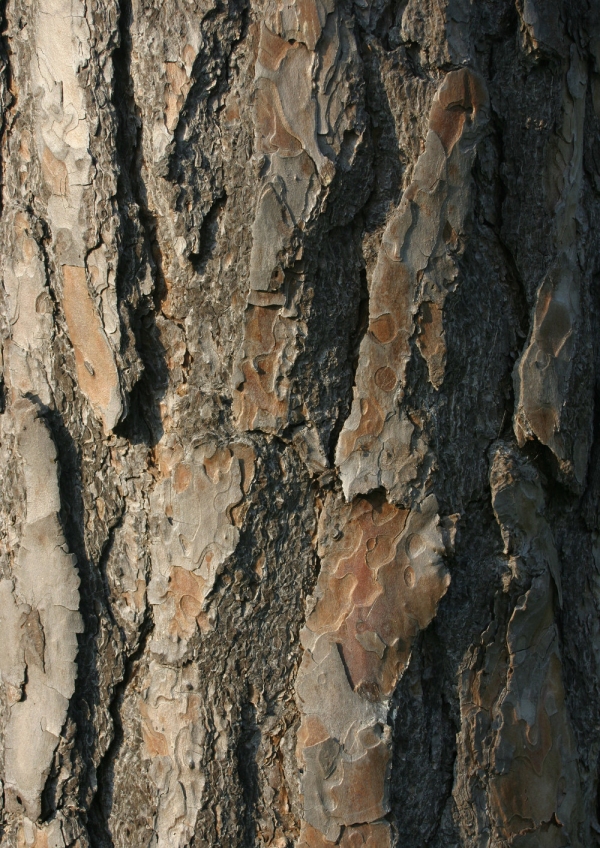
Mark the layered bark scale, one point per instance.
(416, 268)
(303, 102)
(61, 134)
(300, 505)
(513, 690)
(380, 583)
(40, 623)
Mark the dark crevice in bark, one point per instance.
(596, 824)
(209, 234)
(356, 337)
(209, 79)
(376, 109)
(87, 689)
(246, 750)
(268, 604)
(513, 277)
(387, 161)
(505, 31)
(142, 424)
(9, 106)
(424, 744)
(517, 286)
(43, 237)
(101, 806)
(199, 174)
(362, 218)
(139, 249)
(589, 500)
(8, 100)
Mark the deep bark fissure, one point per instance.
(101, 805)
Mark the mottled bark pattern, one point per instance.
(300, 502)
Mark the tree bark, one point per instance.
(300, 497)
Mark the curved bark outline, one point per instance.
(302, 110)
(518, 775)
(416, 268)
(40, 620)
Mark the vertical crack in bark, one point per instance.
(101, 807)
(356, 337)
(7, 100)
(139, 236)
(546, 374)
(247, 749)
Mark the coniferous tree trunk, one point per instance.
(300, 491)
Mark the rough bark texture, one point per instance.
(300, 492)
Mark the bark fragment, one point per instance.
(416, 263)
(173, 736)
(40, 624)
(62, 131)
(195, 529)
(544, 375)
(304, 109)
(518, 778)
(380, 582)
